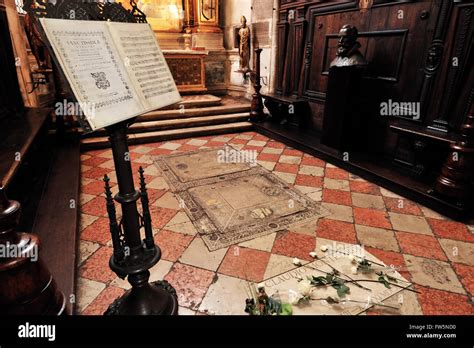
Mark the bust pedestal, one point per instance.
(345, 127)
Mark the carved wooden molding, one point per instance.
(460, 51)
(434, 57)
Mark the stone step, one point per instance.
(165, 135)
(194, 112)
(196, 101)
(152, 126)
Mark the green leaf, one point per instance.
(384, 281)
(286, 309)
(364, 266)
(392, 279)
(319, 281)
(332, 300)
(342, 290)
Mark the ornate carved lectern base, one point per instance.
(133, 257)
(157, 298)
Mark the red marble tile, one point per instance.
(103, 301)
(214, 144)
(95, 152)
(96, 207)
(294, 245)
(337, 197)
(161, 216)
(136, 167)
(259, 137)
(98, 231)
(312, 161)
(256, 149)
(420, 245)
(336, 230)
(391, 259)
(402, 206)
(154, 195)
(309, 180)
(188, 148)
(371, 217)
(238, 141)
(275, 145)
(97, 267)
(159, 152)
(96, 188)
(96, 173)
(172, 244)
(336, 173)
(190, 283)
(466, 276)
(450, 230)
(286, 168)
(439, 302)
(364, 187)
(270, 157)
(94, 161)
(136, 179)
(292, 152)
(252, 134)
(249, 264)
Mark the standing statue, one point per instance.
(244, 46)
(348, 53)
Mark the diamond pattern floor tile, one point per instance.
(424, 246)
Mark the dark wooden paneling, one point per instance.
(57, 219)
(391, 45)
(456, 70)
(282, 44)
(410, 46)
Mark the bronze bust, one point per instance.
(348, 53)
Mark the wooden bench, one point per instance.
(289, 111)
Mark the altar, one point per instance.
(192, 41)
(188, 69)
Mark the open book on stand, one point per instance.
(116, 70)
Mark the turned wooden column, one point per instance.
(455, 181)
(257, 114)
(26, 285)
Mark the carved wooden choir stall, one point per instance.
(411, 107)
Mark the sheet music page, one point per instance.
(94, 69)
(145, 64)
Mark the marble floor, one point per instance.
(435, 253)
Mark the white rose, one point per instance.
(297, 262)
(305, 288)
(293, 297)
(313, 254)
(324, 248)
(353, 259)
(354, 270)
